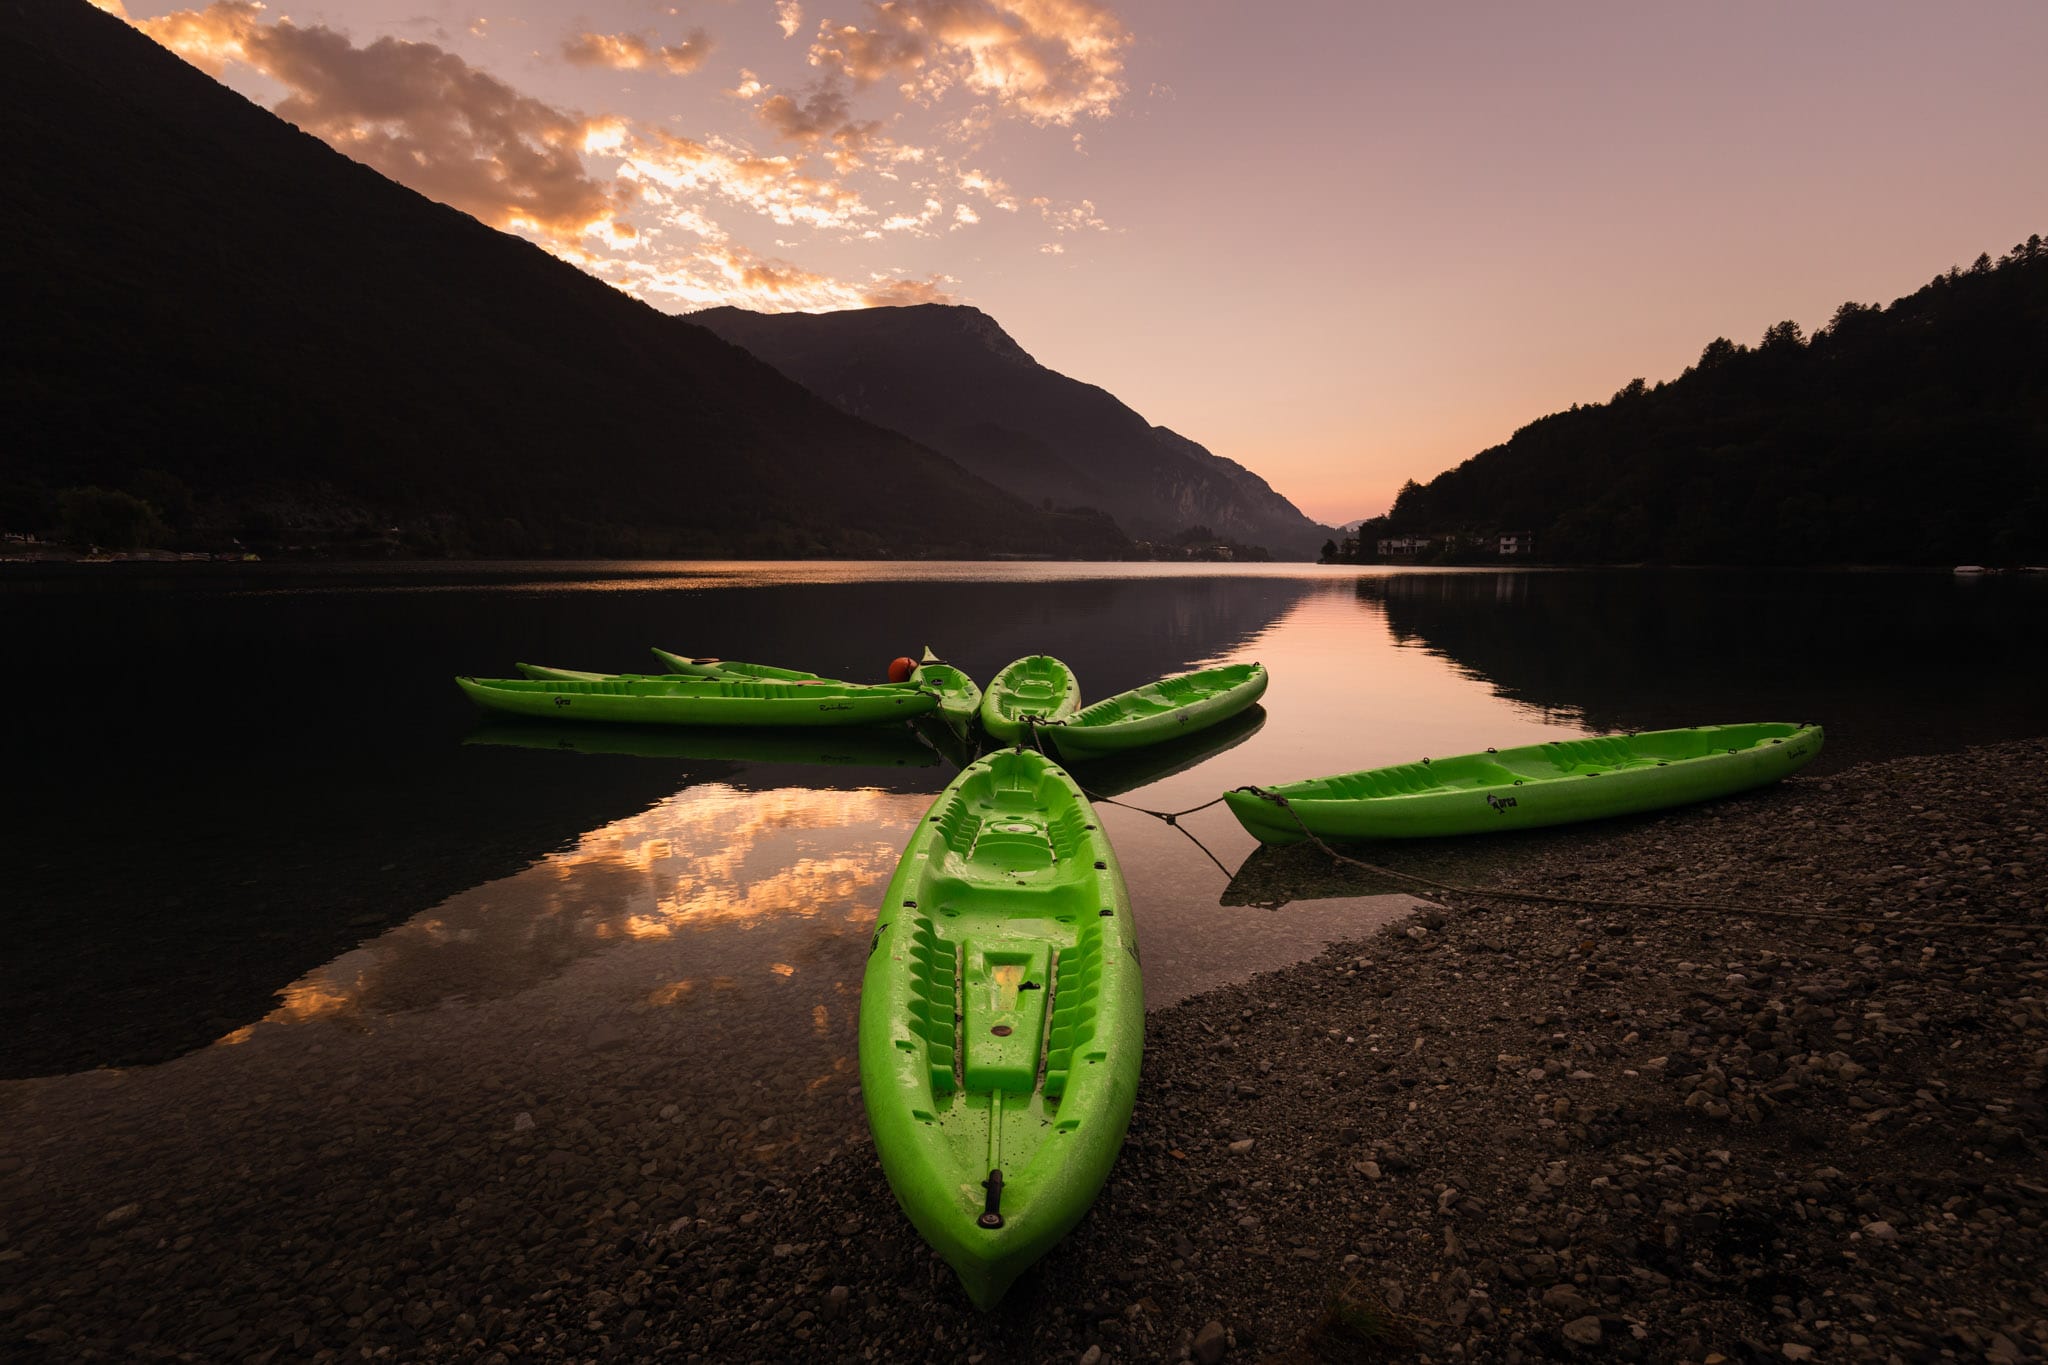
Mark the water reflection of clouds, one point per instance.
(709, 859)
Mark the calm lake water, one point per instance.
(267, 850)
(258, 802)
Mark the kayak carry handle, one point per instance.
(991, 1214)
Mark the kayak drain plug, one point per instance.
(991, 1217)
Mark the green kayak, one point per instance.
(959, 695)
(1002, 1018)
(733, 669)
(868, 746)
(1157, 712)
(699, 701)
(1036, 686)
(1538, 784)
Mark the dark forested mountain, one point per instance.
(217, 313)
(953, 379)
(1912, 434)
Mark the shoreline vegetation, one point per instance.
(1808, 1128)
(1904, 434)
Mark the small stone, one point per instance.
(1583, 1331)
(522, 1123)
(1091, 1356)
(1881, 1232)
(114, 1218)
(1794, 1351)
(1566, 1299)
(1241, 1146)
(835, 1301)
(1210, 1344)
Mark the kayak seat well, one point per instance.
(1600, 754)
(1076, 1005)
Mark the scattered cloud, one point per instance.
(789, 17)
(668, 171)
(416, 112)
(652, 212)
(638, 51)
(1070, 217)
(990, 188)
(1050, 61)
(1052, 249)
(824, 111)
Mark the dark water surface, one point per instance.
(263, 845)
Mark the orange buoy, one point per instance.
(900, 669)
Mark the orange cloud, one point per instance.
(425, 118)
(638, 51)
(1051, 61)
(415, 112)
(789, 17)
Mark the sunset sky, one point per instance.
(1345, 244)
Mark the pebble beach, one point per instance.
(1805, 1123)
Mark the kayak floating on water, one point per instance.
(959, 695)
(1037, 687)
(699, 701)
(1157, 712)
(1002, 1019)
(1535, 785)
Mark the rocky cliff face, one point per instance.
(953, 379)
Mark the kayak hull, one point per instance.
(706, 701)
(1532, 786)
(1036, 687)
(1158, 712)
(1001, 1019)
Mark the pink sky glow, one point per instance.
(1344, 244)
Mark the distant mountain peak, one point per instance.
(950, 376)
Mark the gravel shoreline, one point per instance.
(1495, 1131)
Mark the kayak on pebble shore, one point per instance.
(1530, 786)
(1002, 1019)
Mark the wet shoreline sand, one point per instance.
(1494, 1131)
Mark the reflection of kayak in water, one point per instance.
(1128, 772)
(875, 747)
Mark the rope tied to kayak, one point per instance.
(1031, 726)
(1585, 902)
